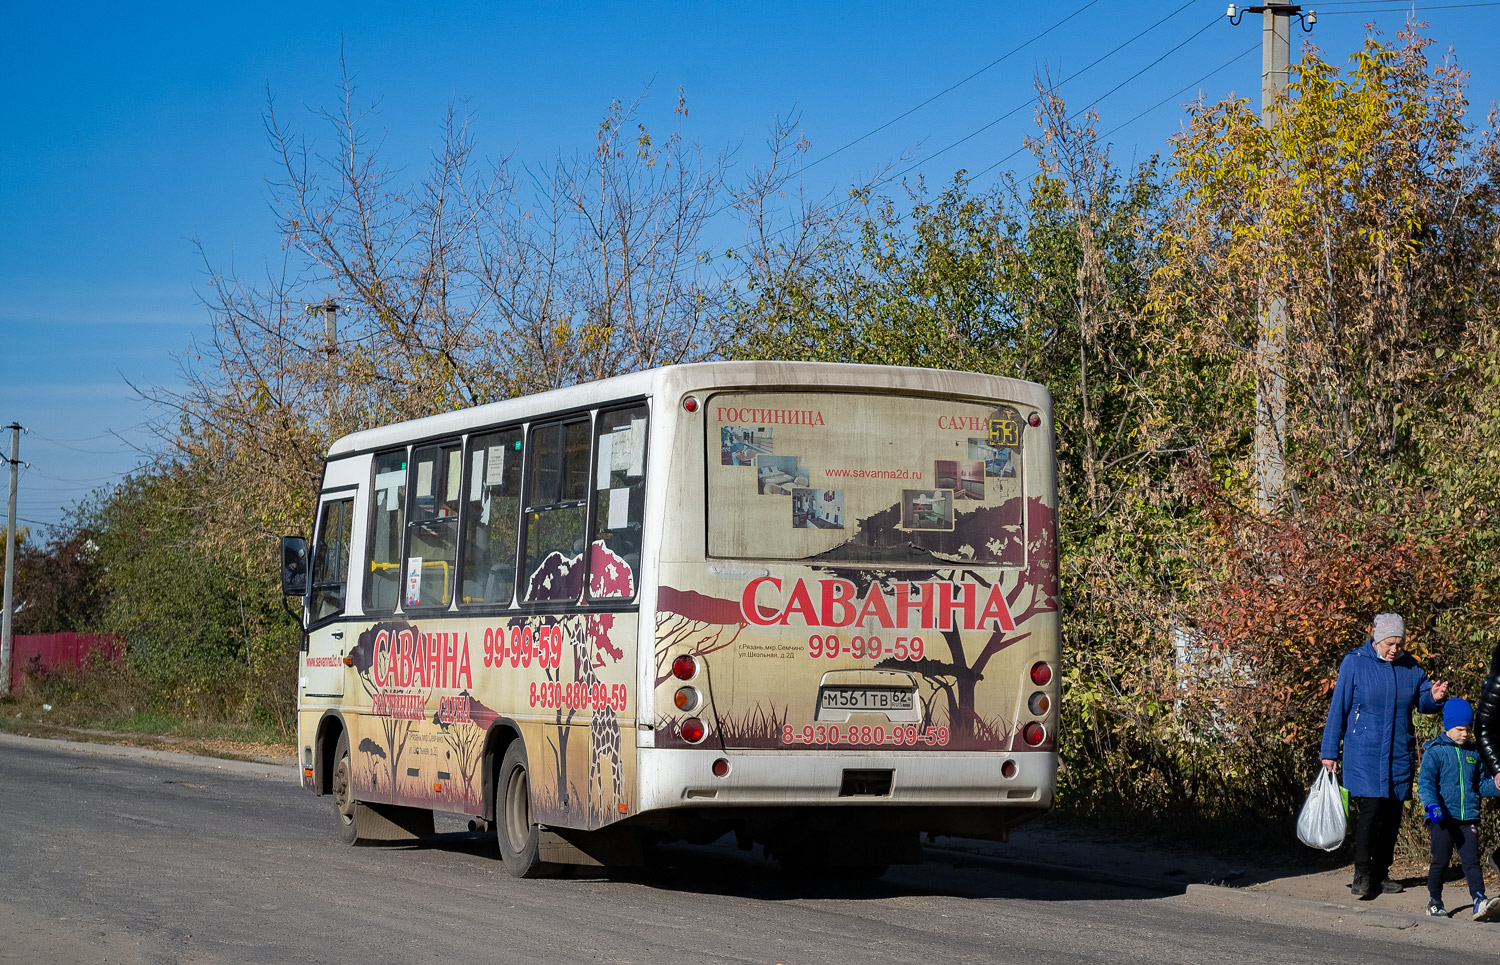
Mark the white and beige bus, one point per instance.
(814, 605)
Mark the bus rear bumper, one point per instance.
(681, 778)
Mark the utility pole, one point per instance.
(10, 560)
(330, 310)
(1270, 346)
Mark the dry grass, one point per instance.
(112, 706)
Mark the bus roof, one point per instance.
(675, 379)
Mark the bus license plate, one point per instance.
(865, 698)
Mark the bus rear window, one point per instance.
(865, 479)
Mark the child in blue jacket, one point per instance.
(1451, 784)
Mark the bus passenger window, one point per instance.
(492, 517)
(387, 513)
(619, 503)
(330, 563)
(555, 511)
(432, 550)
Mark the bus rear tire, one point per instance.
(517, 835)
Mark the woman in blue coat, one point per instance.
(1369, 726)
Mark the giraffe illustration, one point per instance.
(604, 725)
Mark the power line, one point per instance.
(1410, 9)
(1097, 61)
(90, 452)
(1080, 72)
(114, 433)
(1371, 3)
(1187, 87)
(997, 61)
(1094, 63)
(92, 480)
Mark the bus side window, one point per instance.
(555, 510)
(330, 563)
(387, 515)
(432, 549)
(619, 503)
(492, 517)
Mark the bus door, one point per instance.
(323, 662)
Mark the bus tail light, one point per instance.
(1035, 419)
(1008, 769)
(1041, 674)
(690, 404)
(721, 768)
(1033, 733)
(692, 730)
(686, 699)
(1039, 704)
(686, 668)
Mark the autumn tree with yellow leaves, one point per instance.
(1370, 207)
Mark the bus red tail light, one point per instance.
(1033, 733)
(721, 768)
(1041, 674)
(1008, 769)
(686, 668)
(692, 730)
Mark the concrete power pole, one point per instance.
(10, 560)
(1270, 348)
(330, 310)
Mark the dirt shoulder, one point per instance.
(203, 747)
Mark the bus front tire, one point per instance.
(361, 823)
(518, 836)
(351, 812)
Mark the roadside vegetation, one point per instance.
(1203, 628)
(112, 706)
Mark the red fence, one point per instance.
(32, 652)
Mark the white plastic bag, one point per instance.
(1323, 821)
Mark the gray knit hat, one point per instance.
(1387, 625)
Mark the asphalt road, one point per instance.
(167, 859)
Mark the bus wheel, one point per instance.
(349, 810)
(516, 833)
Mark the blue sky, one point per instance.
(126, 132)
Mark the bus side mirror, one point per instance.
(293, 566)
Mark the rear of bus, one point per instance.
(856, 610)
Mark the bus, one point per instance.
(814, 605)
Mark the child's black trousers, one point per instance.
(1447, 837)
